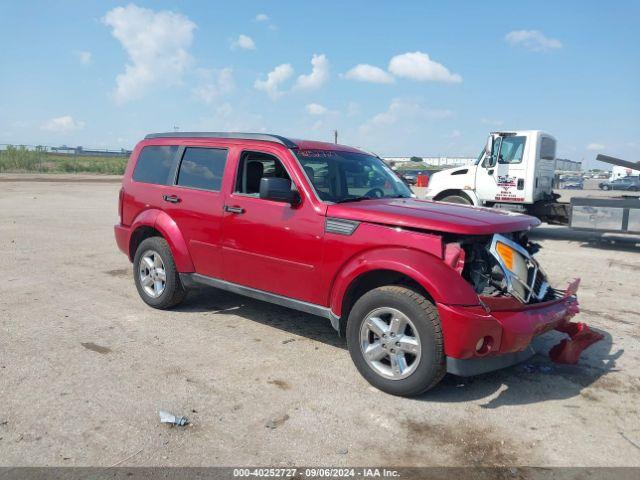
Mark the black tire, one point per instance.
(459, 199)
(423, 314)
(605, 187)
(174, 292)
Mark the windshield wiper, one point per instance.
(353, 199)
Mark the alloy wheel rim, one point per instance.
(152, 274)
(390, 343)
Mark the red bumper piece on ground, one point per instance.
(580, 338)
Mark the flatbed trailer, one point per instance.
(605, 215)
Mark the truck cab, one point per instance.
(514, 171)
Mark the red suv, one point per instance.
(418, 288)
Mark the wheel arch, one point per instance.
(156, 223)
(418, 270)
(468, 194)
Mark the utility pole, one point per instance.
(335, 136)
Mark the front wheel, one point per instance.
(395, 340)
(156, 276)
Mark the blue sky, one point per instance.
(397, 78)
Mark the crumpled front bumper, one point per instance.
(504, 326)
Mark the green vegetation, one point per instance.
(401, 166)
(22, 160)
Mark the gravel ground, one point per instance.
(85, 365)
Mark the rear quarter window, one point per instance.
(547, 148)
(155, 164)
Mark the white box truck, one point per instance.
(516, 171)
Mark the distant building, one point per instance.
(89, 152)
(434, 161)
(564, 165)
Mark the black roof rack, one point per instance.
(242, 136)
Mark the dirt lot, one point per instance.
(85, 365)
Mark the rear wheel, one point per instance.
(456, 199)
(155, 274)
(605, 187)
(395, 340)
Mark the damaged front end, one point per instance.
(504, 266)
(516, 295)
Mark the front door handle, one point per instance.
(230, 209)
(490, 172)
(171, 198)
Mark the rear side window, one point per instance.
(154, 164)
(202, 168)
(547, 148)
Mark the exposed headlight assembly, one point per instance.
(522, 273)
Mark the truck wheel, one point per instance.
(395, 340)
(155, 274)
(456, 199)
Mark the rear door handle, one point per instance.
(171, 198)
(230, 209)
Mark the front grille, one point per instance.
(540, 286)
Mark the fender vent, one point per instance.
(340, 226)
(460, 172)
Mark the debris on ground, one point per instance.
(580, 338)
(276, 422)
(536, 367)
(635, 444)
(166, 417)
(343, 451)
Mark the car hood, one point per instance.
(433, 216)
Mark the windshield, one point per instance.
(347, 176)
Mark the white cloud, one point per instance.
(228, 118)
(353, 109)
(596, 146)
(156, 43)
(262, 17)
(316, 109)
(532, 40)
(64, 124)
(402, 109)
(369, 73)
(318, 76)
(243, 42)
(85, 57)
(275, 77)
(215, 83)
(418, 66)
(494, 123)
(455, 134)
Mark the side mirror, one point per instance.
(278, 190)
(488, 148)
(490, 159)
